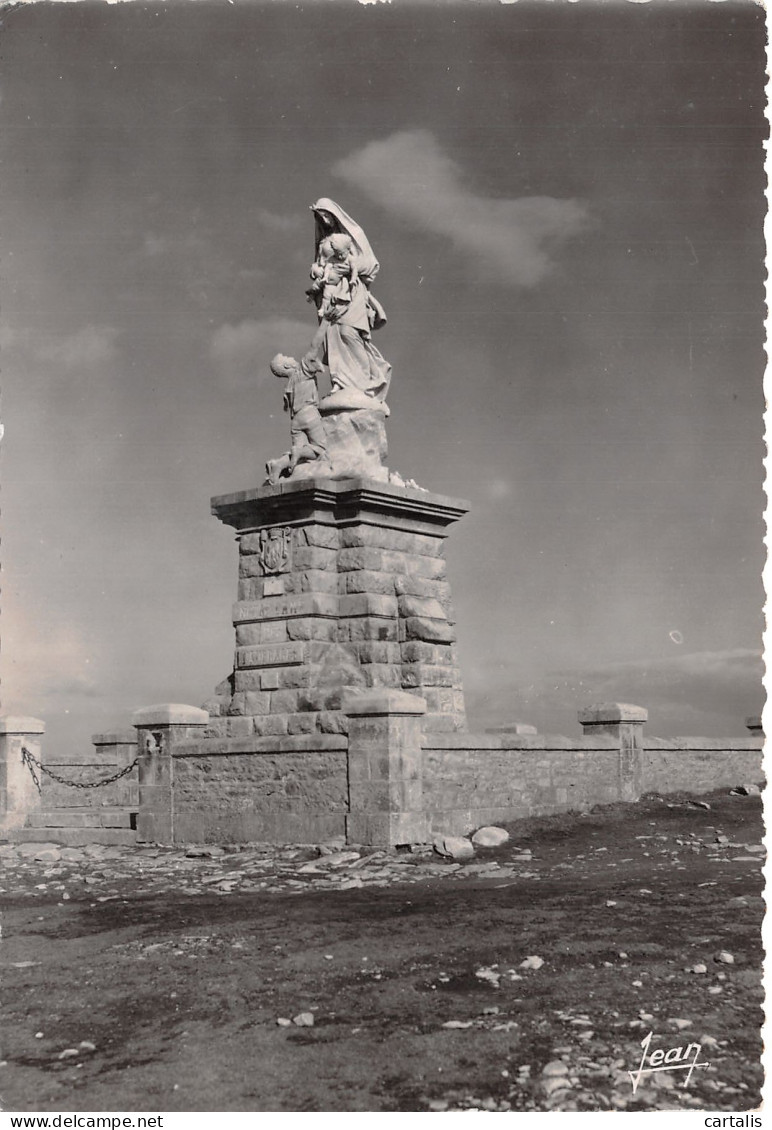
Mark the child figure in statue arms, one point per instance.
(334, 273)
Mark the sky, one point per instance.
(567, 203)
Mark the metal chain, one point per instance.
(33, 764)
(27, 760)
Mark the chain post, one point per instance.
(19, 789)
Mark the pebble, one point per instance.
(490, 837)
(555, 1067)
(458, 1024)
(663, 1081)
(725, 958)
(68, 1053)
(304, 1020)
(284, 1021)
(678, 1023)
(30, 851)
(337, 859)
(486, 973)
(553, 1084)
(454, 847)
(532, 962)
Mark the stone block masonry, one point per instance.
(342, 589)
(19, 795)
(474, 779)
(295, 794)
(385, 781)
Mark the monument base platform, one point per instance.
(342, 589)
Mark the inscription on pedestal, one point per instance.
(278, 608)
(270, 655)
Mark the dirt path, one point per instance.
(163, 977)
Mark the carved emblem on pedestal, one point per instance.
(275, 554)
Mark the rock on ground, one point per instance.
(454, 847)
(490, 837)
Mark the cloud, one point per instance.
(274, 221)
(84, 349)
(241, 353)
(705, 692)
(67, 686)
(155, 245)
(702, 679)
(409, 174)
(45, 671)
(499, 489)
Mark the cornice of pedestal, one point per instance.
(341, 501)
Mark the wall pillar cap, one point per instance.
(19, 724)
(115, 737)
(384, 700)
(170, 714)
(602, 712)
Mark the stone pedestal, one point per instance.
(159, 729)
(19, 795)
(385, 770)
(624, 722)
(119, 748)
(342, 588)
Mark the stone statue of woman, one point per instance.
(343, 270)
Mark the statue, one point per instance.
(341, 275)
(301, 399)
(334, 273)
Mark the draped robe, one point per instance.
(347, 346)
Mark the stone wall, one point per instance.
(698, 765)
(385, 782)
(389, 782)
(286, 790)
(110, 753)
(475, 779)
(472, 780)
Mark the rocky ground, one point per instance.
(322, 978)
